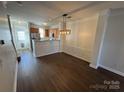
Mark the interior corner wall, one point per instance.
(80, 42)
(112, 54)
(99, 36)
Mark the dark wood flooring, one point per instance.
(62, 72)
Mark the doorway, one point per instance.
(21, 35)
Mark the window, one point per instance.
(21, 35)
(42, 33)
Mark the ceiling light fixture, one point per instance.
(64, 29)
(19, 3)
(45, 24)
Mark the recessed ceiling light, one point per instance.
(45, 24)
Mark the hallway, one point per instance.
(61, 72)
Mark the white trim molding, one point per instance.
(112, 70)
(93, 66)
(15, 78)
(99, 38)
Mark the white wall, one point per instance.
(7, 67)
(112, 55)
(80, 42)
(99, 36)
(4, 29)
(7, 58)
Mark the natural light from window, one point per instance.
(21, 35)
(41, 31)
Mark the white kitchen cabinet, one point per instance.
(45, 47)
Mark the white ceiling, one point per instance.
(41, 11)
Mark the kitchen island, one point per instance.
(45, 47)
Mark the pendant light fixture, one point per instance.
(64, 29)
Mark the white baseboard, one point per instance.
(112, 70)
(15, 78)
(77, 56)
(78, 52)
(93, 66)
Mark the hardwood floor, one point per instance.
(62, 72)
